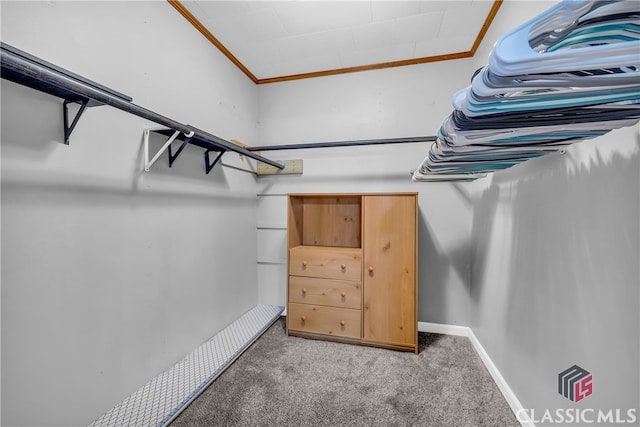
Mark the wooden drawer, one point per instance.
(329, 292)
(339, 322)
(326, 262)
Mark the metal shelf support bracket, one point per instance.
(208, 166)
(65, 111)
(173, 157)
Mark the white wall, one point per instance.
(110, 274)
(399, 102)
(555, 266)
(555, 272)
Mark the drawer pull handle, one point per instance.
(304, 291)
(304, 263)
(343, 294)
(370, 269)
(303, 318)
(344, 267)
(342, 323)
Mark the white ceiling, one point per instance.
(274, 39)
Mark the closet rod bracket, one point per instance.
(208, 166)
(173, 157)
(167, 146)
(68, 129)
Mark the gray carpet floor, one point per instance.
(289, 381)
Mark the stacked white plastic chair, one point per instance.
(571, 73)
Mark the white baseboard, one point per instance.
(509, 395)
(440, 328)
(465, 331)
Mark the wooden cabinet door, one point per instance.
(390, 237)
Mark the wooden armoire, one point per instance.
(352, 268)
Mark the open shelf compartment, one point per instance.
(325, 220)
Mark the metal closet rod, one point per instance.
(28, 70)
(344, 143)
